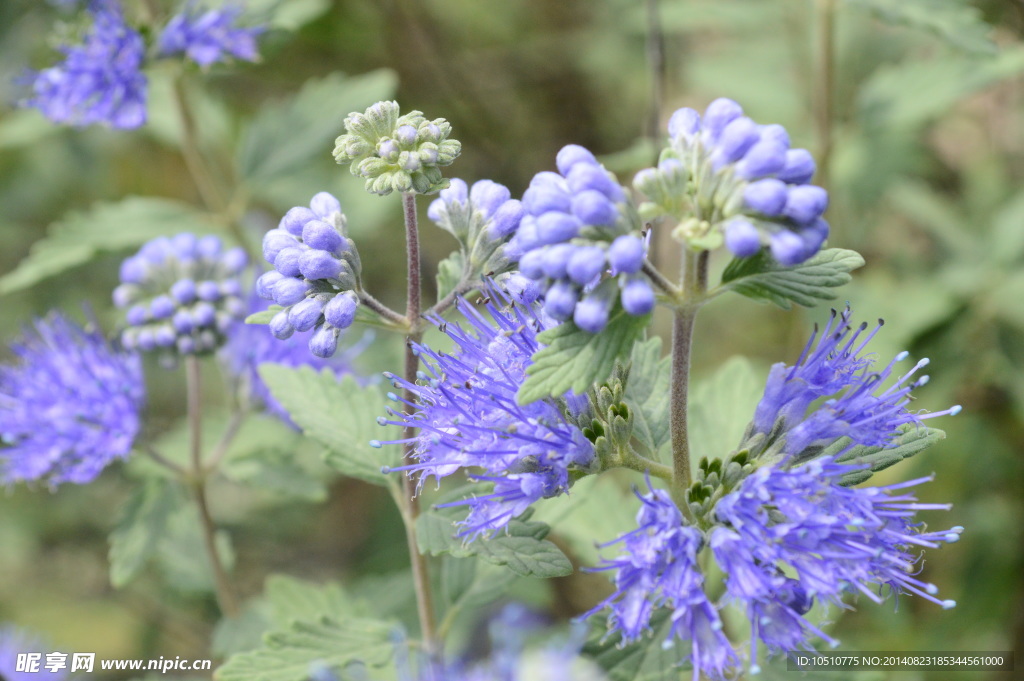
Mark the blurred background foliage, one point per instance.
(914, 109)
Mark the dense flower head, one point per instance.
(315, 278)
(15, 641)
(69, 407)
(392, 152)
(101, 79)
(580, 238)
(657, 568)
(250, 345)
(792, 535)
(469, 419)
(483, 218)
(784, 538)
(181, 294)
(859, 405)
(743, 183)
(209, 37)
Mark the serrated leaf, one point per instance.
(285, 136)
(913, 93)
(263, 316)
(644, 660)
(295, 600)
(141, 528)
(449, 273)
(521, 547)
(912, 441)
(760, 277)
(647, 394)
(104, 228)
(574, 359)
(291, 654)
(955, 21)
(721, 408)
(339, 414)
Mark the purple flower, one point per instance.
(70, 407)
(209, 37)
(315, 275)
(250, 345)
(468, 417)
(752, 188)
(859, 406)
(657, 568)
(182, 294)
(482, 218)
(100, 80)
(577, 232)
(835, 540)
(15, 641)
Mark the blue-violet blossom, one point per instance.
(15, 641)
(468, 417)
(209, 37)
(100, 80)
(581, 239)
(70, 407)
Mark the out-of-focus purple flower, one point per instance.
(859, 406)
(69, 407)
(468, 417)
(211, 36)
(14, 642)
(657, 568)
(250, 345)
(100, 80)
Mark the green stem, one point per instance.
(824, 109)
(391, 317)
(694, 285)
(409, 502)
(634, 461)
(226, 597)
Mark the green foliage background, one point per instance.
(926, 170)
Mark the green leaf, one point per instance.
(954, 21)
(141, 528)
(449, 273)
(104, 228)
(760, 277)
(913, 93)
(339, 414)
(182, 556)
(721, 408)
(284, 137)
(647, 394)
(575, 359)
(645, 660)
(263, 316)
(245, 632)
(521, 547)
(291, 654)
(911, 441)
(295, 600)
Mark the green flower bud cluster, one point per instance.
(396, 153)
(608, 424)
(714, 479)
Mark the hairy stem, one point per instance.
(386, 313)
(694, 285)
(660, 280)
(635, 461)
(411, 510)
(226, 598)
(824, 102)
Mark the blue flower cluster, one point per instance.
(14, 642)
(181, 294)
(834, 540)
(99, 81)
(468, 417)
(209, 37)
(580, 238)
(742, 181)
(859, 407)
(70, 407)
(657, 568)
(250, 345)
(482, 218)
(315, 276)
